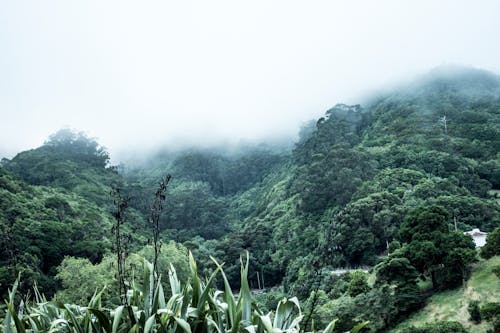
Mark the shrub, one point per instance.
(437, 327)
(490, 310)
(496, 326)
(358, 284)
(496, 271)
(492, 247)
(475, 314)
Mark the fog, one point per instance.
(141, 74)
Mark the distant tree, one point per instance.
(80, 278)
(193, 210)
(423, 222)
(437, 327)
(361, 230)
(474, 313)
(78, 146)
(400, 274)
(358, 284)
(435, 250)
(492, 247)
(330, 167)
(490, 310)
(470, 210)
(496, 270)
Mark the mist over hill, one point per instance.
(356, 189)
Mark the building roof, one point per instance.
(476, 232)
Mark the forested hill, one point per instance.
(345, 195)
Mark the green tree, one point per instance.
(492, 247)
(361, 230)
(193, 210)
(80, 278)
(435, 250)
(358, 284)
(474, 313)
(437, 327)
(401, 276)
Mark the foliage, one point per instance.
(492, 246)
(358, 284)
(71, 161)
(226, 175)
(451, 305)
(401, 276)
(80, 278)
(490, 310)
(438, 327)
(496, 326)
(193, 210)
(432, 249)
(496, 270)
(361, 230)
(39, 226)
(196, 307)
(475, 314)
(360, 183)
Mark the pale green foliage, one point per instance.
(358, 284)
(81, 279)
(171, 253)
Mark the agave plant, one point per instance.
(196, 307)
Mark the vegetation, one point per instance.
(196, 307)
(453, 305)
(492, 247)
(385, 189)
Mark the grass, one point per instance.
(483, 286)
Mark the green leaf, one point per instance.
(57, 322)
(330, 327)
(149, 324)
(117, 318)
(196, 282)
(183, 324)
(159, 297)
(74, 320)
(359, 326)
(19, 324)
(175, 285)
(268, 326)
(204, 297)
(102, 319)
(245, 298)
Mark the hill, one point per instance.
(39, 226)
(483, 286)
(390, 185)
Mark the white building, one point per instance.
(478, 236)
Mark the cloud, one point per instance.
(140, 74)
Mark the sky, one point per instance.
(140, 74)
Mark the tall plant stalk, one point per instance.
(121, 241)
(318, 277)
(154, 220)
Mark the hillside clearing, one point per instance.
(451, 305)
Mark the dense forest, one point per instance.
(361, 220)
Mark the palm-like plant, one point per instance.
(196, 307)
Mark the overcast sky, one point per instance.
(139, 73)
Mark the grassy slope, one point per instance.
(452, 305)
